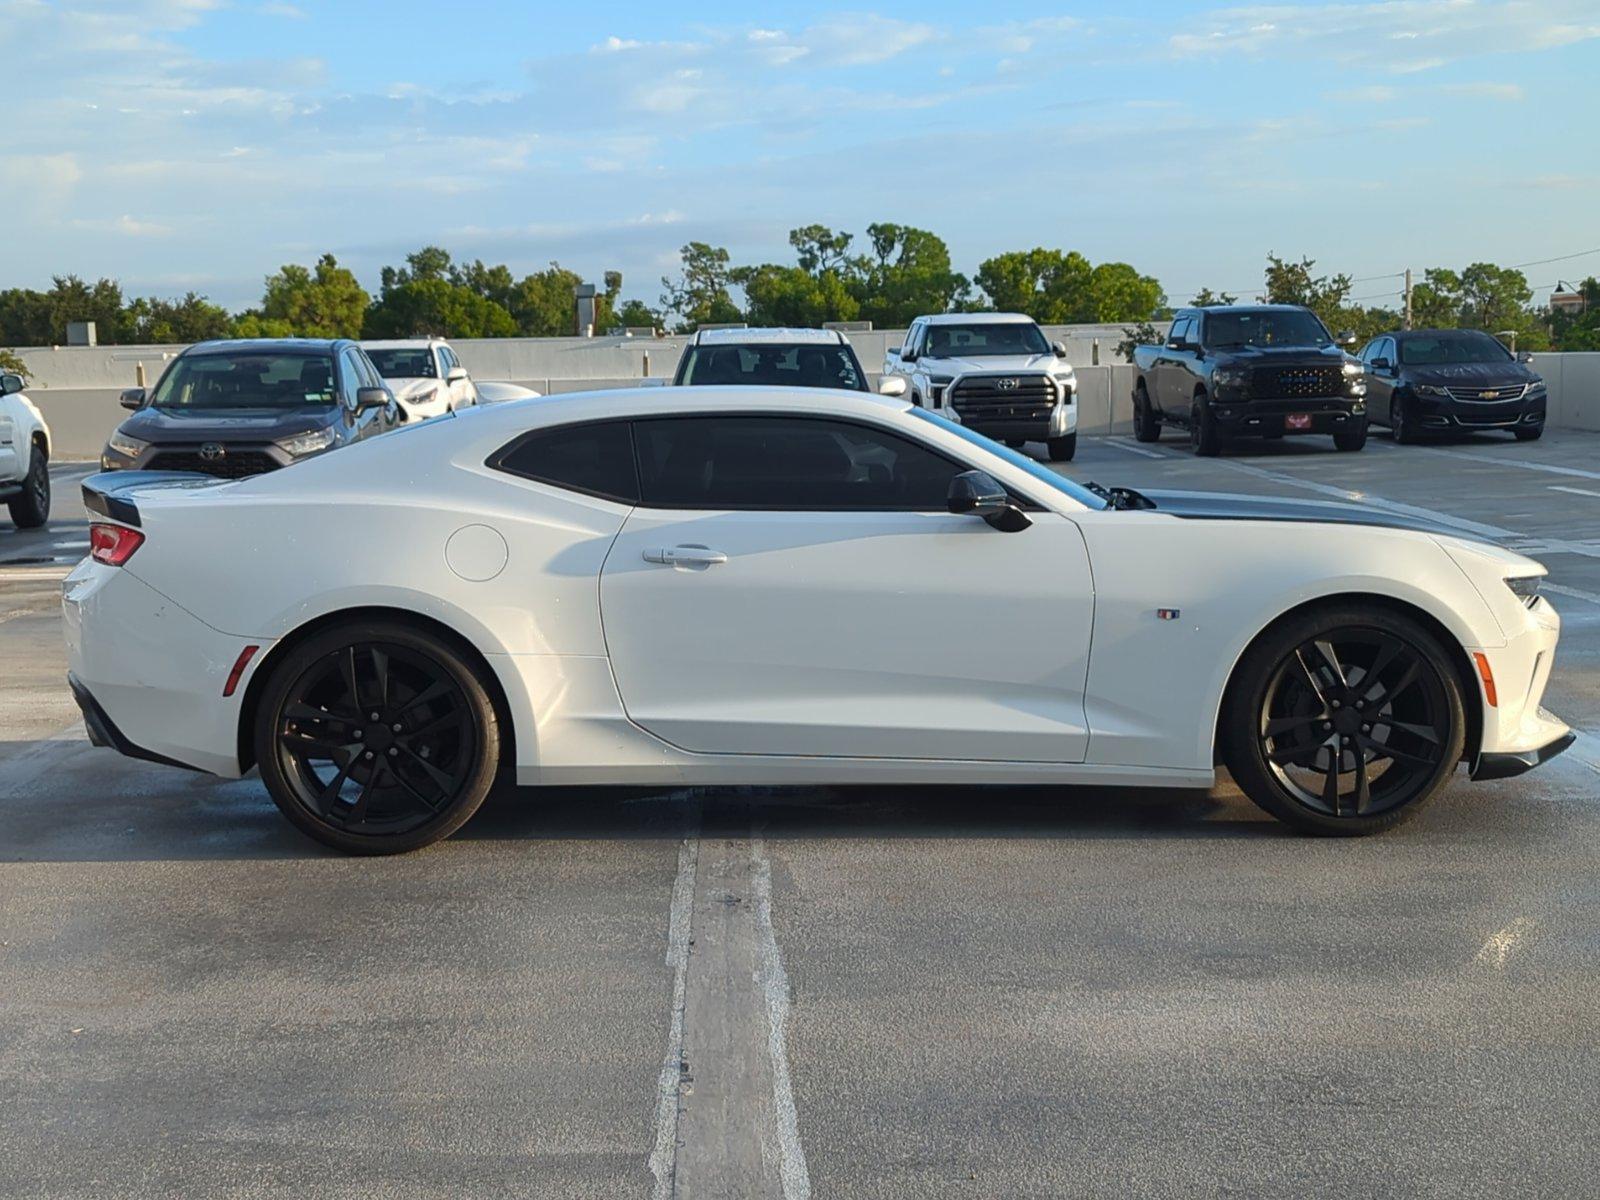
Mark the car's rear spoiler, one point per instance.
(111, 493)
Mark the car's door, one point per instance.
(460, 388)
(1382, 371)
(792, 585)
(355, 373)
(1170, 372)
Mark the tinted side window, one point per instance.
(596, 459)
(352, 376)
(793, 463)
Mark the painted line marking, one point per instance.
(663, 1157)
(774, 983)
(1521, 463)
(13, 613)
(1499, 947)
(38, 574)
(1576, 491)
(1131, 449)
(1562, 589)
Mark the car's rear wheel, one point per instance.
(1063, 448)
(1529, 434)
(1016, 443)
(31, 508)
(1146, 426)
(1344, 720)
(377, 738)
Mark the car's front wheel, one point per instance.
(1351, 439)
(377, 737)
(31, 508)
(1343, 720)
(1062, 448)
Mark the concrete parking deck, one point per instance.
(876, 992)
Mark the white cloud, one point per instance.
(1486, 90)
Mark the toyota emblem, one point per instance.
(1007, 385)
(211, 451)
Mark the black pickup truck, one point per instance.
(1259, 370)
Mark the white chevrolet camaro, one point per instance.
(771, 586)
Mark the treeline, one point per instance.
(896, 273)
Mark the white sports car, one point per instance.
(772, 586)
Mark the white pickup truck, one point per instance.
(24, 456)
(993, 372)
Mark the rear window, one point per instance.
(820, 366)
(595, 459)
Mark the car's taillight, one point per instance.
(113, 544)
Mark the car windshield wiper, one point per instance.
(1120, 497)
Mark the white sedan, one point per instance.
(771, 586)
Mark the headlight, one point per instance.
(1230, 376)
(424, 397)
(123, 444)
(307, 443)
(1067, 379)
(940, 380)
(1525, 587)
(1428, 389)
(1354, 368)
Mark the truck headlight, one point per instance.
(307, 443)
(1428, 389)
(122, 444)
(1230, 376)
(1354, 368)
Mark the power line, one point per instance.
(1539, 262)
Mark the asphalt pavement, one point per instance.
(864, 992)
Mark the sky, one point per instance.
(201, 144)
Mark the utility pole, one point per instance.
(1408, 299)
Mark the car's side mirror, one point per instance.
(132, 398)
(908, 356)
(1524, 357)
(9, 384)
(1058, 349)
(369, 398)
(456, 375)
(980, 494)
(1380, 364)
(891, 385)
(1347, 338)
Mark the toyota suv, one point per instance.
(239, 408)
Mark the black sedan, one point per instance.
(1431, 381)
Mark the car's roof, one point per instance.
(267, 345)
(776, 335)
(1216, 308)
(400, 343)
(1403, 334)
(977, 318)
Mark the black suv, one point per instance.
(243, 407)
(1261, 370)
(1422, 381)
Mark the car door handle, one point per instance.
(686, 556)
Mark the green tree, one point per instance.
(1294, 283)
(192, 319)
(436, 307)
(251, 324)
(1579, 330)
(636, 314)
(1117, 292)
(12, 364)
(25, 318)
(34, 318)
(1205, 296)
(777, 295)
(821, 249)
(325, 301)
(700, 293)
(1143, 334)
(544, 305)
(907, 274)
(1051, 286)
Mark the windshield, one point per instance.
(247, 380)
(407, 363)
(820, 366)
(1264, 327)
(1036, 469)
(1449, 348)
(984, 339)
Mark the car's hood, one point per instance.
(1272, 356)
(256, 424)
(1498, 375)
(1226, 506)
(996, 364)
(411, 387)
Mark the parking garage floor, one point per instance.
(873, 992)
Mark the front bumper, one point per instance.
(1518, 733)
(237, 461)
(1441, 413)
(1270, 418)
(1512, 763)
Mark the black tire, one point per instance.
(1203, 435)
(423, 782)
(1531, 434)
(1401, 427)
(31, 508)
(1385, 688)
(1146, 425)
(1062, 448)
(1351, 439)
(1016, 443)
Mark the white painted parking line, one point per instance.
(1556, 487)
(1525, 464)
(36, 574)
(775, 988)
(1562, 589)
(1132, 449)
(664, 1156)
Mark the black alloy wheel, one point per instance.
(1145, 426)
(377, 739)
(1345, 726)
(1400, 425)
(1204, 437)
(31, 509)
